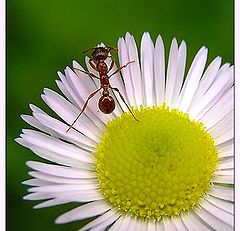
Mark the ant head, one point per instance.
(100, 52)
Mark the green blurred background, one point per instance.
(45, 36)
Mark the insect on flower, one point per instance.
(106, 102)
(172, 171)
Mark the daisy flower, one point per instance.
(173, 170)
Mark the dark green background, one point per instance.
(45, 36)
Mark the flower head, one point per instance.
(172, 170)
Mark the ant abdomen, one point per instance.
(106, 104)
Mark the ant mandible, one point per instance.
(106, 102)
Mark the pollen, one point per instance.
(158, 167)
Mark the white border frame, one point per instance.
(237, 113)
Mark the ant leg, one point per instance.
(84, 107)
(120, 68)
(93, 65)
(117, 90)
(88, 73)
(112, 64)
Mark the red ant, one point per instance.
(106, 102)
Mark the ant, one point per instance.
(106, 102)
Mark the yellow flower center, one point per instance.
(160, 166)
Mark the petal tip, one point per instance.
(25, 197)
(146, 36)
(36, 207)
(59, 73)
(18, 140)
(30, 163)
(60, 220)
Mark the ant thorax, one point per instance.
(102, 67)
(104, 81)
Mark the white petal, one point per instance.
(37, 139)
(194, 223)
(222, 204)
(68, 113)
(147, 50)
(225, 144)
(159, 70)
(135, 69)
(224, 193)
(223, 83)
(192, 80)
(117, 224)
(141, 226)
(125, 223)
(35, 182)
(67, 196)
(64, 90)
(206, 81)
(179, 224)
(60, 180)
(67, 90)
(79, 196)
(229, 171)
(181, 62)
(102, 221)
(89, 82)
(50, 203)
(171, 71)
(226, 163)
(221, 109)
(169, 225)
(127, 77)
(72, 135)
(63, 188)
(82, 212)
(224, 179)
(42, 127)
(37, 124)
(54, 157)
(37, 196)
(223, 130)
(67, 81)
(36, 109)
(226, 149)
(152, 226)
(160, 226)
(75, 85)
(132, 224)
(215, 217)
(63, 171)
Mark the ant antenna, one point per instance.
(89, 49)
